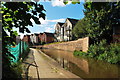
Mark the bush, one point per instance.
(103, 51)
(79, 53)
(97, 49)
(17, 68)
(12, 71)
(113, 54)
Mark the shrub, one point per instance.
(103, 51)
(17, 68)
(97, 49)
(79, 53)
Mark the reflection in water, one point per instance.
(83, 67)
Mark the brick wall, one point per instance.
(49, 39)
(80, 44)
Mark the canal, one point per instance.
(83, 67)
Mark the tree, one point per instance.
(80, 29)
(102, 18)
(17, 16)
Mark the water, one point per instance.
(83, 67)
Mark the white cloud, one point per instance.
(58, 3)
(57, 20)
(49, 25)
(48, 29)
(48, 21)
(43, 21)
(45, 26)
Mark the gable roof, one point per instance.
(49, 34)
(36, 34)
(28, 35)
(60, 23)
(73, 21)
(41, 34)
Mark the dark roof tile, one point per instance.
(49, 34)
(60, 23)
(73, 21)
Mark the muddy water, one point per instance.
(83, 67)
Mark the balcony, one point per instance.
(68, 30)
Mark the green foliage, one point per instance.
(13, 71)
(81, 28)
(17, 68)
(66, 2)
(101, 18)
(103, 51)
(97, 48)
(20, 17)
(73, 1)
(79, 53)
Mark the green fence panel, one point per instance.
(17, 51)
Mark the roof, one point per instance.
(36, 34)
(73, 21)
(60, 23)
(41, 33)
(27, 35)
(49, 34)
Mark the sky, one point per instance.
(56, 11)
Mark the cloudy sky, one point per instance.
(56, 11)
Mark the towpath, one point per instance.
(42, 67)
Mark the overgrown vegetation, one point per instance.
(99, 20)
(98, 23)
(103, 51)
(81, 28)
(13, 71)
(19, 17)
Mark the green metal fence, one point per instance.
(18, 51)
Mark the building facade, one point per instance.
(63, 31)
(47, 37)
(26, 38)
(58, 31)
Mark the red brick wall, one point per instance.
(39, 37)
(45, 38)
(49, 39)
(26, 39)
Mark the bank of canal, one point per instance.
(83, 67)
